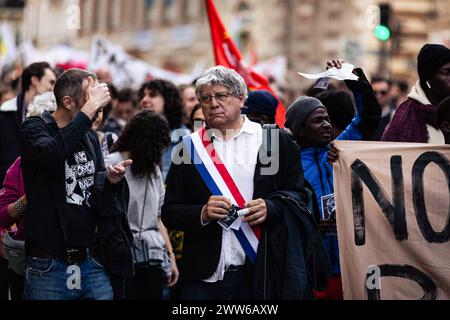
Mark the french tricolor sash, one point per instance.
(220, 183)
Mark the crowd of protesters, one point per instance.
(161, 193)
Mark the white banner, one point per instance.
(392, 210)
(127, 71)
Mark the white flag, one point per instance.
(8, 50)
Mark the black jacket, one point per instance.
(10, 122)
(292, 259)
(186, 194)
(44, 150)
(114, 234)
(369, 110)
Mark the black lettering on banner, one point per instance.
(394, 212)
(419, 197)
(407, 272)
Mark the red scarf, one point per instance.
(409, 123)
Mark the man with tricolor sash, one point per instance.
(218, 193)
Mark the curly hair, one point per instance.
(173, 104)
(145, 137)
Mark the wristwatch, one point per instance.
(20, 207)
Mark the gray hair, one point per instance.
(220, 75)
(41, 103)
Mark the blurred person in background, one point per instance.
(36, 79)
(261, 107)
(162, 97)
(187, 92)
(340, 108)
(104, 75)
(123, 109)
(112, 104)
(399, 93)
(382, 90)
(106, 139)
(9, 83)
(197, 118)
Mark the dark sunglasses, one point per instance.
(382, 92)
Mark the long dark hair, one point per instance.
(173, 104)
(145, 137)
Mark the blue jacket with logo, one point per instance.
(318, 171)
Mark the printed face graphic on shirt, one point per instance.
(328, 207)
(80, 173)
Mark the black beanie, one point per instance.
(431, 57)
(261, 101)
(299, 111)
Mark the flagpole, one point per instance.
(227, 54)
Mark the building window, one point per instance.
(86, 10)
(126, 14)
(184, 11)
(94, 15)
(168, 13)
(243, 7)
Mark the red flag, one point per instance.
(227, 54)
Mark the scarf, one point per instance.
(410, 120)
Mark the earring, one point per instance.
(428, 85)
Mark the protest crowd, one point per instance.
(195, 191)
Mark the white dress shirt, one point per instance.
(239, 154)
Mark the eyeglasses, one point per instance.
(220, 96)
(382, 92)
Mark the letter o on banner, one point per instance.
(419, 196)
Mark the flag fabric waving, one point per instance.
(227, 54)
(8, 50)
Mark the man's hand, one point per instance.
(335, 63)
(216, 208)
(257, 212)
(333, 153)
(97, 97)
(116, 172)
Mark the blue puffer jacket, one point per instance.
(316, 169)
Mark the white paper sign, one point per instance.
(345, 73)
